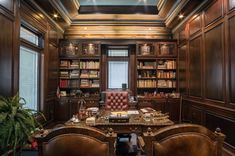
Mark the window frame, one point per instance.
(38, 49)
(118, 58)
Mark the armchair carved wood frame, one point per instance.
(76, 141)
(184, 140)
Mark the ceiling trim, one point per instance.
(175, 10)
(114, 36)
(118, 32)
(40, 9)
(76, 4)
(160, 4)
(61, 10)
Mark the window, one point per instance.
(29, 36)
(118, 73)
(117, 68)
(118, 52)
(29, 68)
(29, 74)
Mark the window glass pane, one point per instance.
(28, 35)
(118, 52)
(117, 74)
(28, 77)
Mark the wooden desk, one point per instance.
(136, 124)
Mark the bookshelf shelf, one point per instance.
(89, 69)
(146, 87)
(146, 78)
(64, 78)
(90, 78)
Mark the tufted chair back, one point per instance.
(75, 141)
(185, 140)
(116, 100)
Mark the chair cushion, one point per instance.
(185, 145)
(75, 145)
(116, 101)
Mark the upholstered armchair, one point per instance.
(116, 100)
(184, 140)
(76, 141)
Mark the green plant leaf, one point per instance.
(3, 117)
(16, 122)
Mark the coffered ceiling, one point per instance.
(118, 18)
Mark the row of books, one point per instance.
(146, 83)
(89, 74)
(90, 65)
(90, 83)
(167, 65)
(146, 65)
(69, 64)
(163, 74)
(147, 74)
(69, 83)
(69, 74)
(166, 84)
(75, 83)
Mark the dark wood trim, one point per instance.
(16, 49)
(8, 14)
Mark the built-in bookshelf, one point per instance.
(156, 70)
(79, 68)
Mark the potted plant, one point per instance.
(17, 123)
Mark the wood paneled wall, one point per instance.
(11, 16)
(206, 67)
(7, 22)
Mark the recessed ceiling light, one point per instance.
(181, 16)
(85, 28)
(150, 28)
(55, 15)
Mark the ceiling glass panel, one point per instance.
(118, 2)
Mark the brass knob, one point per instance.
(149, 131)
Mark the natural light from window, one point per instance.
(117, 69)
(28, 77)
